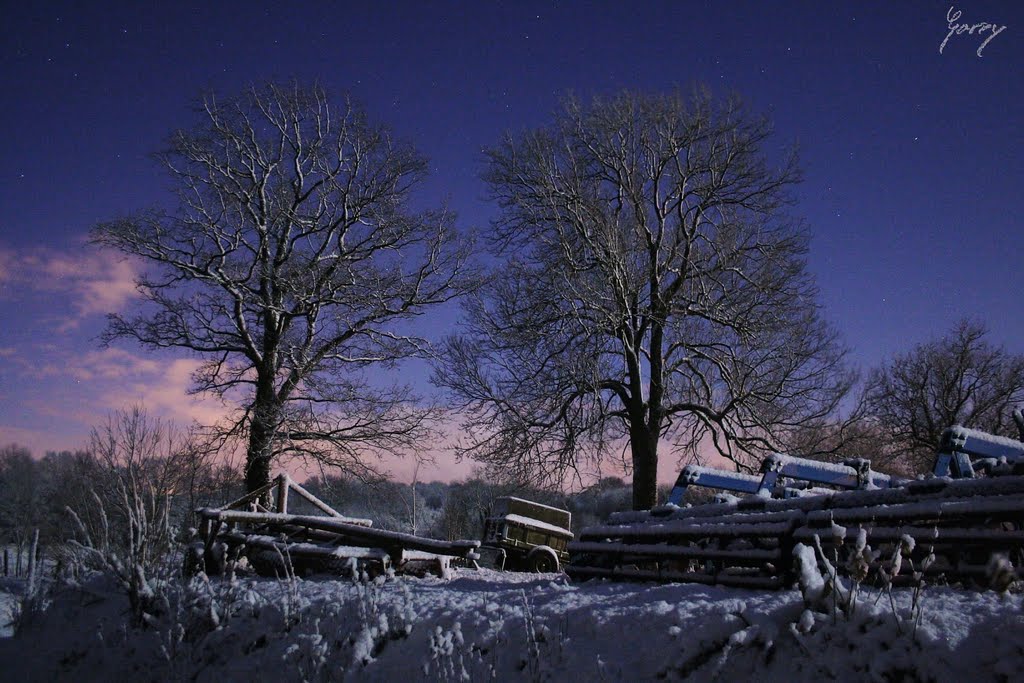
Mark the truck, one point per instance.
(523, 535)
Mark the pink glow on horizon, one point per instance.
(59, 389)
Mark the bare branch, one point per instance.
(960, 379)
(654, 287)
(292, 258)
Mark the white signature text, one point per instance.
(979, 29)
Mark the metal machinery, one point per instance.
(520, 534)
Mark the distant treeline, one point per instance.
(35, 493)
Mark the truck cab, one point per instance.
(526, 536)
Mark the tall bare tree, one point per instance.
(654, 287)
(960, 378)
(290, 263)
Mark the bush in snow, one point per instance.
(127, 530)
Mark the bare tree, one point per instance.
(289, 263)
(21, 504)
(126, 527)
(654, 287)
(958, 379)
(466, 508)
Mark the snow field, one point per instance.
(484, 625)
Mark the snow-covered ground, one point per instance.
(484, 625)
(10, 590)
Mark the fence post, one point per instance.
(282, 493)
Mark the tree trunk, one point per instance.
(645, 468)
(261, 437)
(257, 461)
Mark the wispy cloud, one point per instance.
(93, 281)
(6, 265)
(117, 378)
(69, 385)
(114, 364)
(71, 390)
(168, 394)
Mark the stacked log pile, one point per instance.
(749, 543)
(259, 528)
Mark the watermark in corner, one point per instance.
(982, 29)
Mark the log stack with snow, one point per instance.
(951, 526)
(260, 528)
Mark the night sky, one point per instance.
(913, 159)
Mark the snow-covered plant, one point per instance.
(447, 655)
(377, 625)
(1000, 573)
(309, 653)
(809, 578)
(844, 599)
(888, 570)
(532, 649)
(818, 575)
(127, 530)
(824, 591)
(292, 602)
(762, 636)
(838, 535)
(916, 604)
(858, 563)
(192, 613)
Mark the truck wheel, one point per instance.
(542, 561)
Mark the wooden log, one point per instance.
(310, 550)
(972, 508)
(923, 535)
(679, 531)
(963, 521)
(282, 493)
(314, 501)
(636, 574)
(250, 497)
(743, 556)
(349, 531)
(245, 517)
(275, 551)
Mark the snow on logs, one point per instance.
(749, 543)
(330, 533)
(278, 541)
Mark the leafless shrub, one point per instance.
(127, 530)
